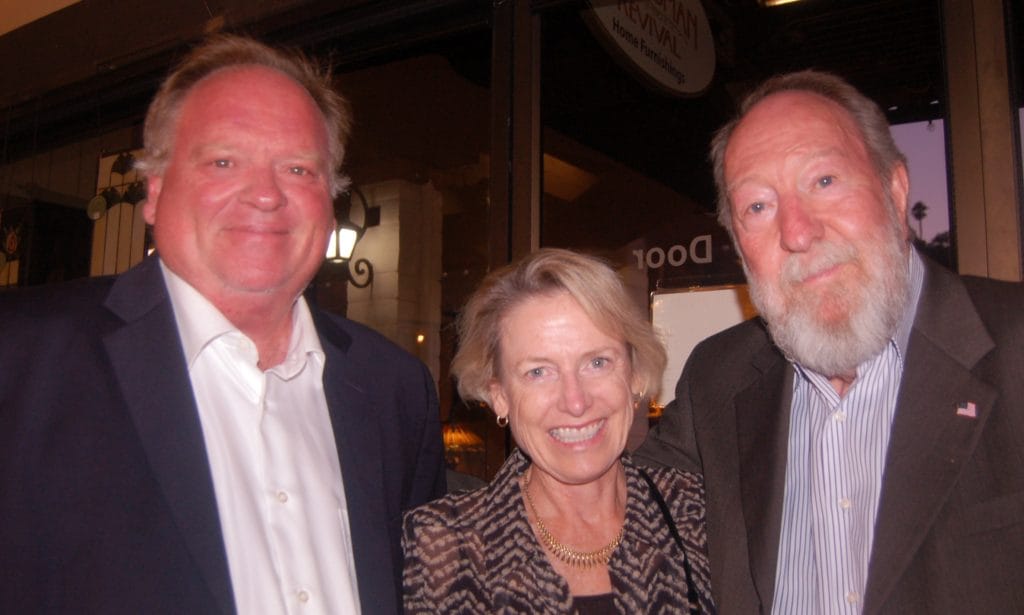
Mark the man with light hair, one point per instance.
(191, 436)
(862, 441)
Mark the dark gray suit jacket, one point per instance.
(106, 499)
(949, 536)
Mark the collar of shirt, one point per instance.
(200, 323)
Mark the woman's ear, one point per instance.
(499, 402)
(637, 387)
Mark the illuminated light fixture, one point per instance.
(420, 338)
(347, 234)
(458, 438)
(777, 2)
(458, 441)
(564, 180)
(342, 244)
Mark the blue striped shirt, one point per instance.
(834, 466)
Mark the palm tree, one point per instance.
(919, 211)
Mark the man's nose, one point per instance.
(799, 226)
(263, 190)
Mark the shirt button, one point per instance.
(852, 597)
(303, 595)
(839, 416)
(845, 504)
(282, 497)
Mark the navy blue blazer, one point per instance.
(106, 499)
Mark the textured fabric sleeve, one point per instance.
(685, 494)
(418, 564)
(440, 575)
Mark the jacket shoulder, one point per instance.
(730, 347)
(360, 341)
(54, 302)
(445, 557)
(676, 484)
(44, 323)
(1000, 304)
(452, 511)
(738, 339)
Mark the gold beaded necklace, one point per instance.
(576, 559)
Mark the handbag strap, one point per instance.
(691, 589)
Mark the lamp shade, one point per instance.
(342, 243)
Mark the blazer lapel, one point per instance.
(147, 357)
(929, 440)
(358, 438)
(762, 427)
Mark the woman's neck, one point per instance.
(604, 497)
(587, 520)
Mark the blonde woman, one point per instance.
(569, 524)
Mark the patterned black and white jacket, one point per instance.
(476, 553)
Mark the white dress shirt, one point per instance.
(834, 468)
(273, 461)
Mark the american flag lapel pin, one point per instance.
(967, 409)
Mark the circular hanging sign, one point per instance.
(668, 42)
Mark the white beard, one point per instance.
(870, 313)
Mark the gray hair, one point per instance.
(868, 117)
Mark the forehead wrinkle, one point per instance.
(763, 145)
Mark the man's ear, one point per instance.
(153, 185)
(899, 190)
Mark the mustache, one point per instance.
(826, 254)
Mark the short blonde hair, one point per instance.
(588, 280)
(224, 51)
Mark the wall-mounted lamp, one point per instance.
(347, 233)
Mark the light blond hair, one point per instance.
(588, 280)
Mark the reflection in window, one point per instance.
(924, 145)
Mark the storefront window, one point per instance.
(420, 156)
(631, 93)
(625, 172)
(924, 144)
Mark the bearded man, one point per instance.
(862, 442)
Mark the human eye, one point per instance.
(825, 181)
(600, 365)
(535, 373)
(222, 163)
(299, 170)
(752, 201)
